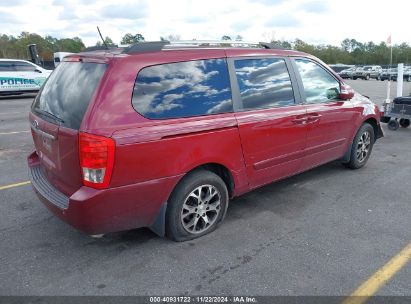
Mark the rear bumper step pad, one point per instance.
(47, 190)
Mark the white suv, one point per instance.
(21, 76)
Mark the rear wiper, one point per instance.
(48, 114)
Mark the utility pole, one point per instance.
(388, 100)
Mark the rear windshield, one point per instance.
(67, 92)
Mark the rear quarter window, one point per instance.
(183, 89)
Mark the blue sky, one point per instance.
(314, 21)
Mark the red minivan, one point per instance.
(162, 136)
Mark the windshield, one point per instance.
(68, 91)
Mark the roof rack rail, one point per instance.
(221, 43)
(100, 48)
(143, 47)
(152, 46)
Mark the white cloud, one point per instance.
(319, 21)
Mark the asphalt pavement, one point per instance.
(322, 232)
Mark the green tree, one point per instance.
(282, 44)
(107, 40)
(350, 51)
(73, 45)
(131, 39)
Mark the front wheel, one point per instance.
(196, 206)
(361, 147)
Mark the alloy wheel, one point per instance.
(201, 209)
(363, 146)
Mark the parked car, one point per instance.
(161, 136)
(367, 72)
(392, 74)
(347, 73)
(58, 57)
(20, 76)
(389, 74)
(340, 67)
(407, 74)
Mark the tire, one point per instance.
(409, 79)
(354, 78)
(367, 77)
(200, 195)
(361, 147)
(385, 119)
(405, 123)
(393, 125)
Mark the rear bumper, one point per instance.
(103, 211)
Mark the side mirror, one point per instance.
(332, 94)
(346, 92)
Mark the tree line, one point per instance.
(350, 51)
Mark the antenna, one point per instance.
(101, 36)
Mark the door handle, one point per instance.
(300, 121)
(314, 117)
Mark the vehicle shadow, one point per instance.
(287, 198)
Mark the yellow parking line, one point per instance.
(15, 132)
(14, 185)
(379, 278)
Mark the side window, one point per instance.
(24, 67)
(319, 85)
(6, 66)
(264, 83)
(183, 89)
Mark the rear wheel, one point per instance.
(393, 125)
(354, 78)
(367, 77)
(405, 123)
(196, 206)
(361, 147)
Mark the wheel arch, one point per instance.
(374, 123)
(222, 171)
(371, 121)
(219, 169)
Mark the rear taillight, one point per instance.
(96, 160)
